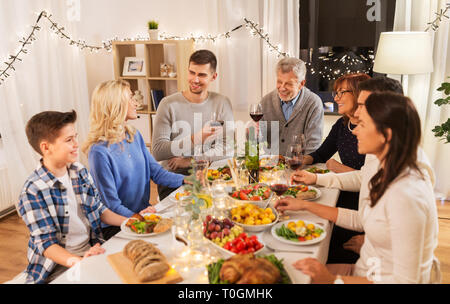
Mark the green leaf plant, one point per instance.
(443, 131)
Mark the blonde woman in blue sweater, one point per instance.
(119, 161)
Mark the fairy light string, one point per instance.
(253, 27)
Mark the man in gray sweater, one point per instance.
(296, 109)
(183, 119)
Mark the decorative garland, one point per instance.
(254, 28)
(434, 25)
(107, 45)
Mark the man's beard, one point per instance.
(194, 92)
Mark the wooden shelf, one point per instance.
(155, 53)
(145, 110)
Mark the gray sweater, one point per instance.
(306, 118)
(177, 119)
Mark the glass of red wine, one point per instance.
(216, 121)
(294, 158)
(256, 112)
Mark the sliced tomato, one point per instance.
(243, 196)
(246, 191)
(301, 238)
(266, 194)
(235, 194)
(255, 198)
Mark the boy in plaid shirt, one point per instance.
(59, 201)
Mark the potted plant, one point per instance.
(443, 131)
(153, 29)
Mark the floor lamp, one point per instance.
(404, 53)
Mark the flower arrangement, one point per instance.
(199, 198)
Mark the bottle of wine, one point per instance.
(252, 155)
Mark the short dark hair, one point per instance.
(381, 84)
(204, 57)
(46, 126)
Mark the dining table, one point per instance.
(98, 270)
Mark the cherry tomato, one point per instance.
(258, 246)
(235, 194)
(234, 250)
(250, 250)
(249, 243)
(254, 238)
(301, 238)
(243, 196)
(266, 194)
(240, 246)
(243, 252)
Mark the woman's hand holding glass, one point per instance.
(303, 177)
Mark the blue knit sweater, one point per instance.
(122, 174)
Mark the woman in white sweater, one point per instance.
(397, 212)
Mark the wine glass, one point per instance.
(215, 120)
(256, 112)
(294, 158)
(299, 139)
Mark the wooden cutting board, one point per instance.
(124, 268)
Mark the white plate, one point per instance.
(126, 230)
(319, 193)
(310, 242)
(259, 228)
(172, 195)
(228, 253)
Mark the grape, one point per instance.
(218, 228)
(213, 235)
(211, 227)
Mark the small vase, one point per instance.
(153, 34)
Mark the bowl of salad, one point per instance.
(257, 194)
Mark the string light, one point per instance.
(253, 27)
(434, 25)
(59, 31)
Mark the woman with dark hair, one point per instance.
(341, 140)
(398, 212)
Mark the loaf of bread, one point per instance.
(148, 262)
(163, 225)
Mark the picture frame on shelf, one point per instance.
(134, 66)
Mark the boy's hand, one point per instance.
(95, 250)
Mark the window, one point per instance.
(338, 37)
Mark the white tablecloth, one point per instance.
(97, 270)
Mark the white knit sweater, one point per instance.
(401, 231)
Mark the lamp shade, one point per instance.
(404, 53)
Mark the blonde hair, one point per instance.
(109, 107)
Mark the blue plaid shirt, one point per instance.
(43, 207)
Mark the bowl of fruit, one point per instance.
(258, 194)
(254, 218)
(229, 238)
